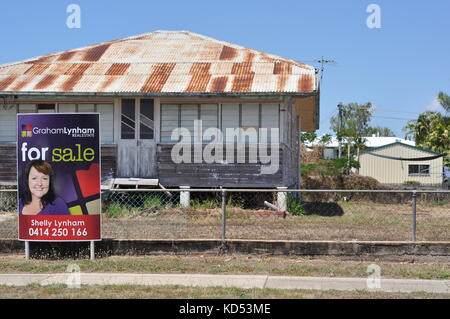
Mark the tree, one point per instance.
(432, 131)
(351, 125)
(444, 100)
(353, 120)
(379, 131)
(308, 137)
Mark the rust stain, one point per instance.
(200, 77)
(243, 83)
(227, 53)
(70, 83)
(282, 68)
(282, 80)
(66, 56)
(158, 78)
(118, 69)
(7, 82)
(37, 69)
(305, 83)
(95, 53)
(107, 83)
(43, 59)
(45, 82)
(144, 37)
(219, 84)
(242, 68)
(249, 57)
(77, 68)
(200, 68)
(198, 83)
(20, 85)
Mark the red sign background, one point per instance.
(59, 227)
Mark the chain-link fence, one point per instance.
(380, 215)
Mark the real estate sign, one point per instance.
(58, 171)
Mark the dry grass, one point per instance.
(179, 292)
(324, 221)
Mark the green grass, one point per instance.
(295, 207)
(440, 203)
(114, 210)
(204, 204)
(152, 201)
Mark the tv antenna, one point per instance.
(323, 62)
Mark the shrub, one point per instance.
(204, 204)
(152, 201)
(295, 207)
(411, 183)
(113, 210)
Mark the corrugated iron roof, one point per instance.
(158, 62)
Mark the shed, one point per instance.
(397, 163)
(149, 85)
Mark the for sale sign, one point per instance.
(58, 169)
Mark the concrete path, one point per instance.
(240, 281)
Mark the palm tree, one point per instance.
(444, 100)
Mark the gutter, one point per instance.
(31, 94)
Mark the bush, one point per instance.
(152, 201)
(411, 183)
(113, 210)
(204, 204)
(295, 207)
(334, 167)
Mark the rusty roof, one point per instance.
(159, 62)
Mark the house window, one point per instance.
(146, 119)
(128, 124)
(46, 108)
(249, 116)
(27, 108)
(170, 117)
(106, 116)
(8, 130)
(418, 170)
(233, 115)
(183, 115)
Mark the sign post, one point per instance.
(58, 169)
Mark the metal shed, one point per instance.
(397, 163)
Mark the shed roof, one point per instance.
(401, 145)
(161, 62)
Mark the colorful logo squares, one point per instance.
(27, 130)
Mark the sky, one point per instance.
(399, 67)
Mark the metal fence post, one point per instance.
(224, 200)
(414, 214)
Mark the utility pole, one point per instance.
(340, 106)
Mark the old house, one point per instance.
(146, 86)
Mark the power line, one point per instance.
(394, 111)
(391, 118)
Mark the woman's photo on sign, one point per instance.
(38, 196)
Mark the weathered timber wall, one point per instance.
(216, 174)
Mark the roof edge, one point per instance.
(403, 144)
(115, 94)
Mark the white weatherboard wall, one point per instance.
(391, 171)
